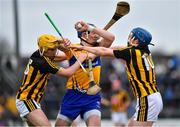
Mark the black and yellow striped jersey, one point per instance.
(118, 100)
(36, 77)
(80, 79)
(140, 70)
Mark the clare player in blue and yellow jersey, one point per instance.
(141, 74)
(76, 101)
(35, 79)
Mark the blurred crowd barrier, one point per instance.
(11, 74)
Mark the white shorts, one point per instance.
(119, 117)
(24, 107)
(148, 107)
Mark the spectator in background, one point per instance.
(119, 103)
(173, 63)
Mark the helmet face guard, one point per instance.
(142, 35)
(80, 34)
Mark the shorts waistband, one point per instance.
(83, 91)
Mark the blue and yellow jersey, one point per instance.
(140, 70)
(80, 79)
(36, 77)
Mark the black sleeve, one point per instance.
(122, 54)
(45, 66)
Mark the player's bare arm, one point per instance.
(107, 37)
(99, 51)
(72, 69)
(118, 47)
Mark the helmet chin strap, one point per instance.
(94, 44)
(41, 52)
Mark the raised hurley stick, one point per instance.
(122, 9)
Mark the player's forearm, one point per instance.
(67, 72)
(72, 69)
(107, 37)
(99, 51)
(105, 34)
(93, 50)
(118, 47)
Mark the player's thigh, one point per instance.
(133, 123)
(38, 118)
(31, 112)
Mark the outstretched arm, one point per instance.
(100, 51)
(72, 69)
(118, 47)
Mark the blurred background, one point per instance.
(22, 21)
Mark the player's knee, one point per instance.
(94, 120)
(60, 122)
